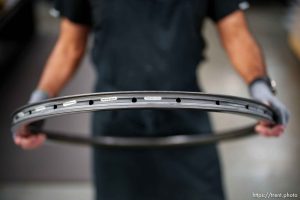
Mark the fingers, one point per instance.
(26, 140)
(30, 142)
(269, 130)
(282, 111)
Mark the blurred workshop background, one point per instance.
(28, 30)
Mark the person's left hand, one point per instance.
(261, 92)
(267, 129)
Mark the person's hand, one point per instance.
(260, 91)
(24, 137)
(27, 140)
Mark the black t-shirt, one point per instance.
(146, 44)
(79, 11)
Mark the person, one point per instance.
(153, 45)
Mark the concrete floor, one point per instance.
(250, 165)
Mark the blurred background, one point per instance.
(28, 30)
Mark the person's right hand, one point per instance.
(27, 140)
(24, 137)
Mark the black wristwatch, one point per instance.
(269, 82)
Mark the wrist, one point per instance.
(38, 95)
(266, 80)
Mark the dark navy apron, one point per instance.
(151, 45)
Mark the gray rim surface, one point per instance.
(143, 100)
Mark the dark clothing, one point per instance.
(157, 42)
(174, 174)
(150, 45)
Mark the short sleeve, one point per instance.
(219, 9)
(77, 11)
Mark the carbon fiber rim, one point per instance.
(33, 113)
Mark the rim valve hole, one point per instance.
(134, 100)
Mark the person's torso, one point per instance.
(147, 44)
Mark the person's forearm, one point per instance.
(242, 49)
(65, 57)
(60, 67)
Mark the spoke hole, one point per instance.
(218, 102)
(91, 102)
(247, 107)
(178, 100)
(134, 100)
(30, 112)
(54, 106)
